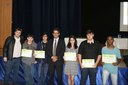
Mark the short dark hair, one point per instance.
(110, 36)
(18, 29)
(30, 35)
(89, 31)
(56, 29)
(44, 34)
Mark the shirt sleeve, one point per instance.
(80, 49)
(118, 54)
(102, 51)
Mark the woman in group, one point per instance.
(111, 68)
(42, 63)
(28, 62)
(71, 67)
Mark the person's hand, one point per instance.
(115, 63)
(64, 58)
(81, 66)
(95, 65)
(34, 54)
(35, 62)
(5, 59)
(54, 58)
(102, 63)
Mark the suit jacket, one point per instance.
(59, 50)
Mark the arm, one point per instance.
(39, 46)
(48, 50)
(117, 63)
(61, 50)
(99, 55)
(102, 52)
(5, 49)
(79, 60)
(97, 61)
(80, 50)
(118, 54)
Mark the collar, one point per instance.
(92, 41)
(16, 38)
(56, 39)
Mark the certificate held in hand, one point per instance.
(108, 58)
(88, 63)
(70, 56)
(39, 54)
(26, 53)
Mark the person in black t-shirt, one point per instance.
(89, 49)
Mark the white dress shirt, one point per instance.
(17, 48)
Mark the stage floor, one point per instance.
(122, 73)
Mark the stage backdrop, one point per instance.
(38, 16)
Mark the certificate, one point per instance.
(39, 54)
(108, 58)
(26, 53)
(88, 63)
(70, 56)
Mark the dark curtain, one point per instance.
(103, 17)
(38, 16)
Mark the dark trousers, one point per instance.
(42, 73)
(91, 72)
(11, 65)
(58, 66)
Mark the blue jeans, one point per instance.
(92, 76)
(42, 73)
(9, 66)
(28, 73)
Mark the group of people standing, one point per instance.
(54, 58)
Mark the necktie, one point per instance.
(54, 48)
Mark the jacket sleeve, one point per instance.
(48, 51)
(5, 48)
(61, 50)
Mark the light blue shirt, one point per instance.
(110, 67)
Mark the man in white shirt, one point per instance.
(11, 55)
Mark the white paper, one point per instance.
(70, 56)
(88, 63)
(26, 53)
(39, 54)
(108, 58)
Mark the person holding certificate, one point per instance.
(113, 54)
(42, 63)
(89, 53)
(11, 55)
(28, 59)
(55, 50)
(71, 66)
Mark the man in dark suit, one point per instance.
(55, 51)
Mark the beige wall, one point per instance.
(5, 21)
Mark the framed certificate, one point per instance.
(70, 56)
(108, 58)
(39, 54)
(26, 53)
(88, 63)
